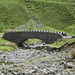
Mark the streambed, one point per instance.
(36, 62)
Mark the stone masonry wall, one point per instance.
(20, 36)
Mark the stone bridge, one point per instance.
(20, 36)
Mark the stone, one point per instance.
(15, 73)
(2, 74)
(37, 74)
(15, 65)
(4, 71)
(25, 73)
(1, 52)
(2, 60)
(10, 74)
(4, 56)
(32, 71)
(45, 71)
(53, 72)
(35, 67)
(62, 62)
(27, 70)
(3, 65)
(70, 65)
(58, 74)
(11, 70)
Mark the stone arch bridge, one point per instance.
(20, 36)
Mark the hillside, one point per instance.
(12, 14)
(52, 15)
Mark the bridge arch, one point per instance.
(20, 36)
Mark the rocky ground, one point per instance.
(36, 62)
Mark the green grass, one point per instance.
(55, 0)
(56, 14)
(62, 43)
(53, 14)
(5, 48)
(29, 41)
(1, 33)
(71, 29)
(12, 14)
(46, 28)
(31, 25)
(58, 45)
(3, 41)
(71, 41)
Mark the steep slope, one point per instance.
(12, 14)
(53, 14)
(56, 14)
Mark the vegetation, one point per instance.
(73, 53)
(55, 0)
(54, 15)
(70, 29)
(1, 33)
(7, 47)
(29, 41)
(62, 42)
(71, 41)
(57, 45)
(12, 14)
(57, 14)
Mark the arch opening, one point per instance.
(33, 41)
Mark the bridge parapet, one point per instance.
(61, 33)
(20, 36)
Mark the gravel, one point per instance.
(36, 62)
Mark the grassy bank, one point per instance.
(59, 44)
(7, 45)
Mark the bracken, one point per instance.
(10, 44)
(73, 53)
